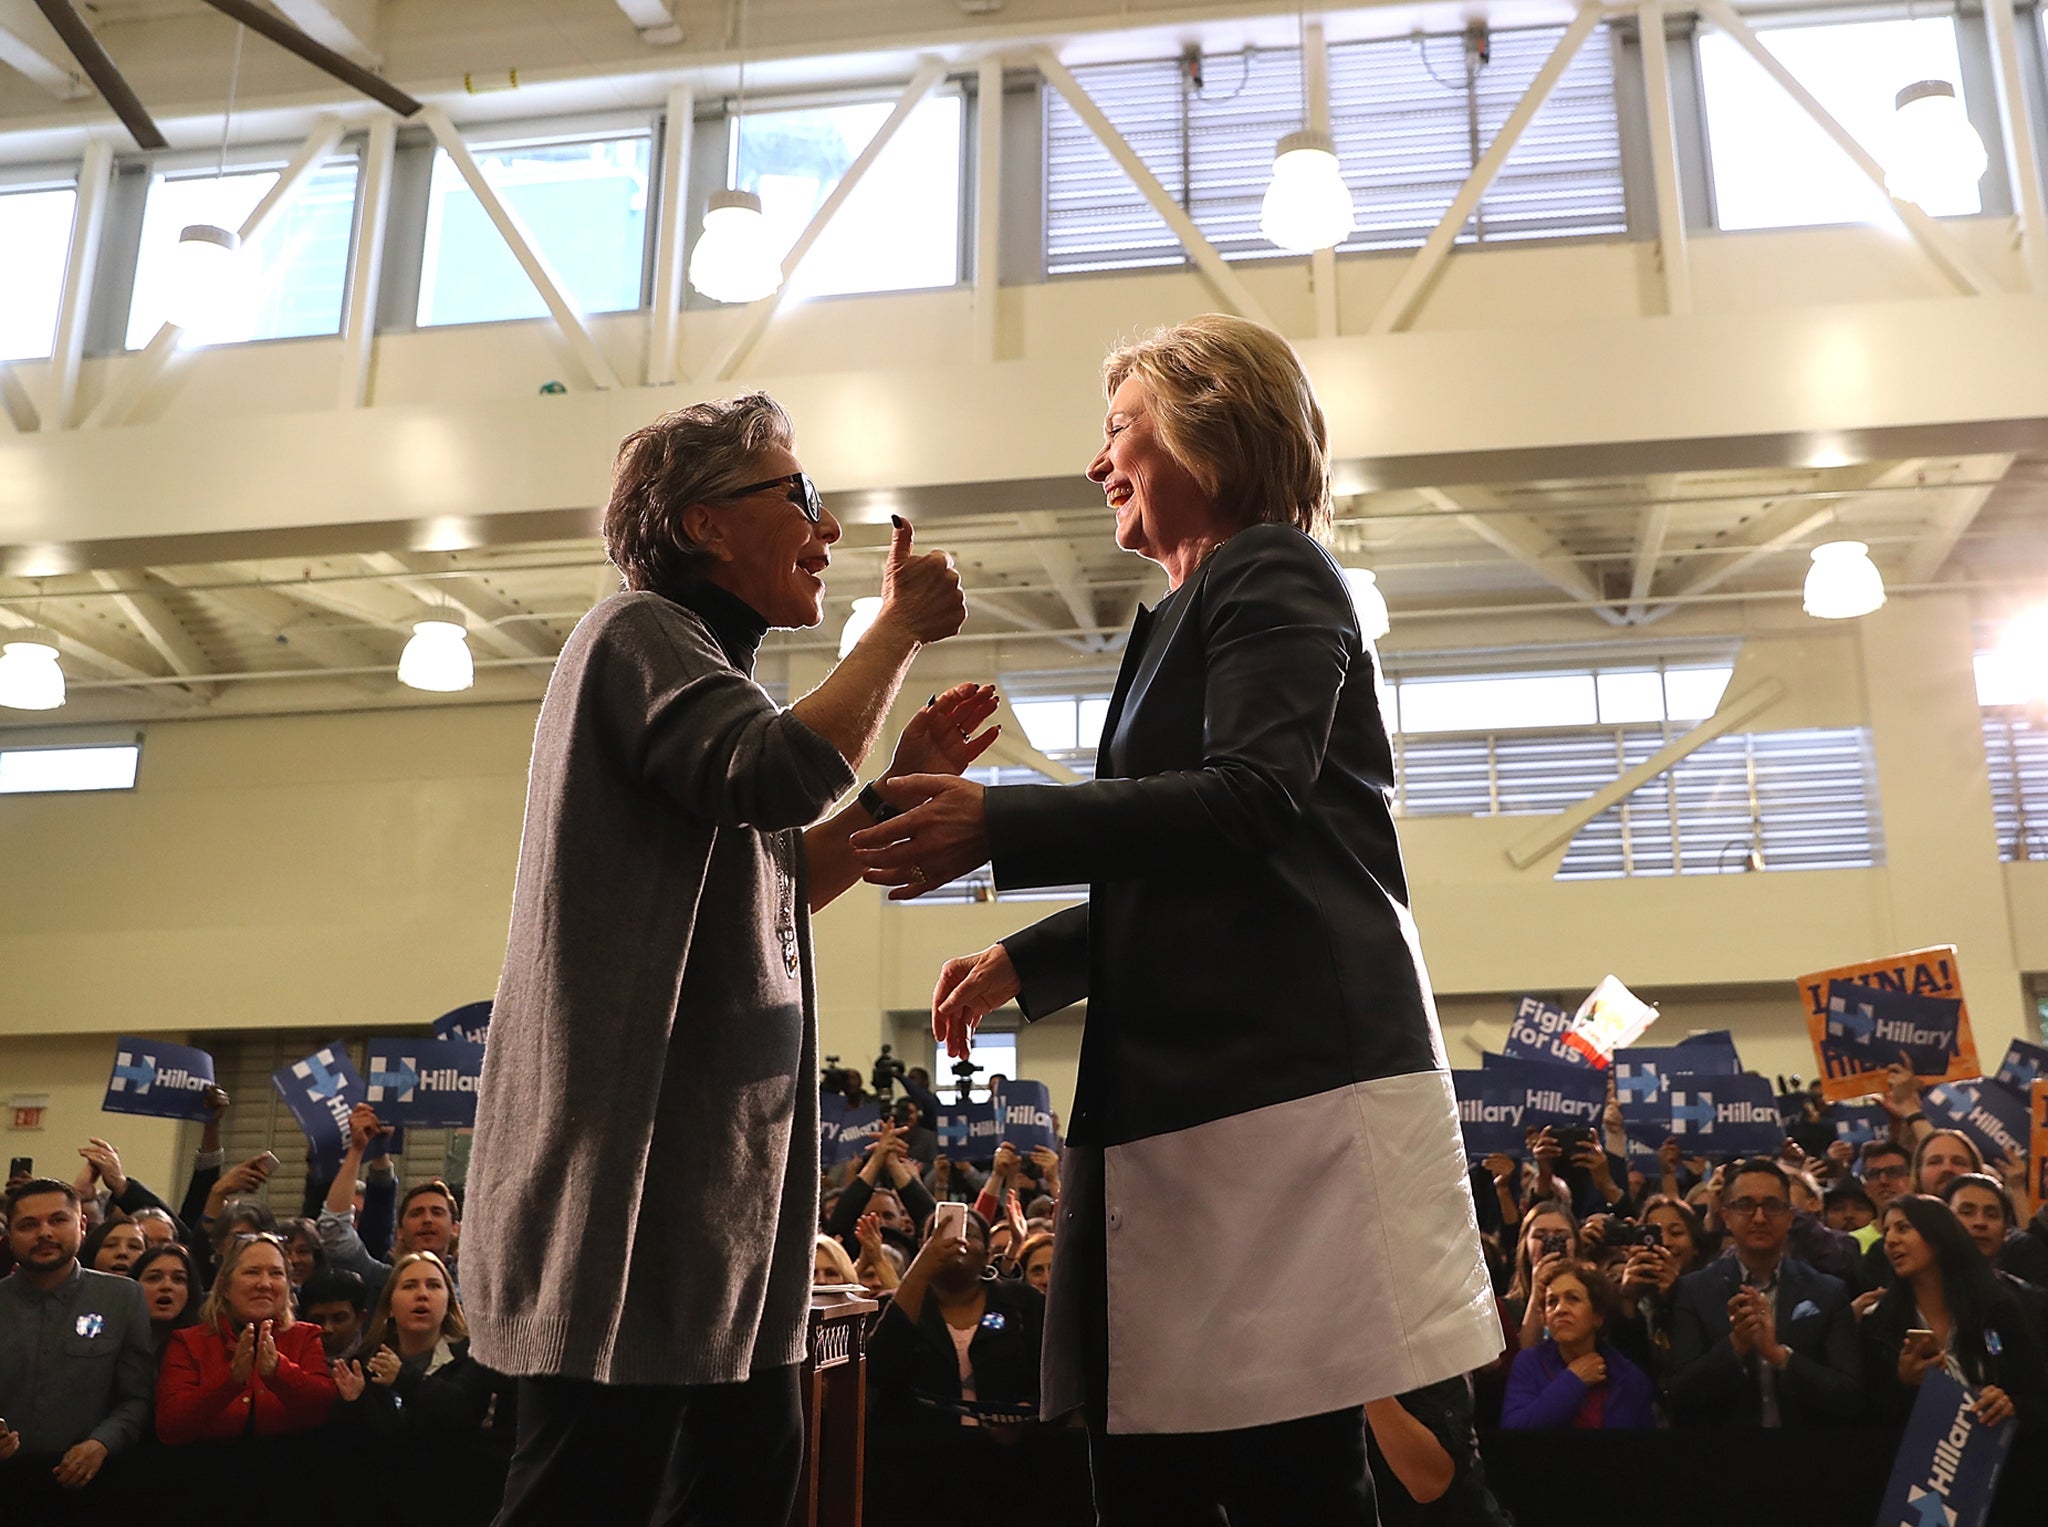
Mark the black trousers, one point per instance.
(1310, 1472)
(622, 1455)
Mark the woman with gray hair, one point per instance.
(1261, 1070)
(643, 1186)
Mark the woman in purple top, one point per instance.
(1572, 1378)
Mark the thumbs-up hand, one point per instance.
(921, 594)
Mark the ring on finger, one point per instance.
(917, 874)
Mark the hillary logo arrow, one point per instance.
(1642, 1084)
(320, 1082)
(1851, 1023)
(1927, 1508)
(138, 1073)
(1682, 1112)
(402, 1081)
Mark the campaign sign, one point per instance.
(1024, 1115)
(1866, 1023)
(162, 1080)
(1639, 1073)
(968, 1131)
(1847, 1071)
(1725, 1063)
(320, 1090)
(1994, 1117)
(469, 1023)
(2037, 1164)
(2024, 1060)
(1725, 1115)
(857, 1130)
(831, 1110)
(1948, 1461)
(425, 1081)
(1859, 1123)
(1506, 1097)
(1537, 1031)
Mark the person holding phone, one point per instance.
(640, 1223)
(1549, 1240)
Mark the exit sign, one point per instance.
(28, 1109)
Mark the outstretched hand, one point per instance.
(940, 738)
(968, 991)
(941, 834)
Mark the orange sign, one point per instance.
(2037, 1161)
(1919, 973)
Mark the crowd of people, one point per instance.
(1801, 1293)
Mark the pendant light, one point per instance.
(1369, 603)
(205, 264)
(437, 657)
(1843, 582)
(864, 612)
(735, 259)
(1934, 154)
(29, 676)
(1307, 206)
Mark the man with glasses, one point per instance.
(1759, 1338)
(77, 1364)
(1887, 1168)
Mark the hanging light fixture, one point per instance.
(1307, 205)
(437, 657)
(1934, 153)
(735, 259)
(206, 259)
(864, 613)
(1368, 602)
(29, 676)
(1843, 582)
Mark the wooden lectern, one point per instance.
(835, 1391)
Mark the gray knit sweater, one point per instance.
(644, 1178)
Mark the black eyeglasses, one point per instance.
(1769, 1207)
(801, 490)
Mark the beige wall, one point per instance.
(346, 871)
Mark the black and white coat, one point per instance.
(1263, 1119)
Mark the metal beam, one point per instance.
(1672, 253)
(1005, 608)
(81, 261)
(1769, 533)
(24, 50)
(366, 267)
(2022, 157)
(754, 321)
(1949, 256)
(1427, 265)
(664, 317)
(493, 619)
(1650, 532)
(155, 623)
(1532, 546)
(1322, 265)
(349, 27)
(15, 402)
(988, 204)
(1957, 508)
(1228, 285)
(1063, 566)
(105, 650)
(139, 377)
(583, 346)
(1559, 830)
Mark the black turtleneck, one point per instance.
(733, 622)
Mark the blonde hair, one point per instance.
(215, 1309)
(842, 1264)
(1235, 409)
(453, 1326)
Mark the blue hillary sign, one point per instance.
(831, 1109)
(1872, 1026)
(1719, 1058)
(1536, 1032)
(2024, 1060)
(469, 1023)
(1506, 1098)
(1725, 1115)
(1948, 1462)
(431, 1082)
(320, 1090)
(857, 1130)
(158, 1079)
(968, 1131)
(1023, 1111)
(1859, 1123)
(1993, 1116)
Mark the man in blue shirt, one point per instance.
(77, 1364)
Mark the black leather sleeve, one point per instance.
(1051, 961)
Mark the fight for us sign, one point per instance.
(158, 1079)
(429, 1082)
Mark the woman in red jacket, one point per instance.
(247, 1369)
